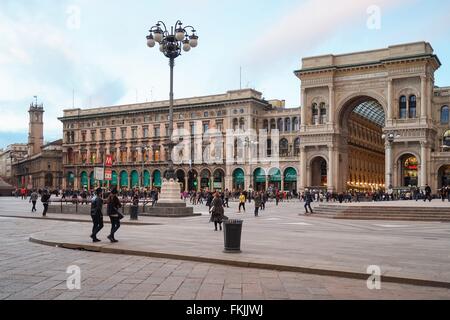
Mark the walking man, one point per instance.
(97, 214)
(257, 199)
(33, 199)
(114, 214)
(308, 200)
(45, 199)
(427, 193)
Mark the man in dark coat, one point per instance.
(427, 193)
(45, 200)
(308, 200)
(97, 214)
(217, 211)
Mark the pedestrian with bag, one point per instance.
(113, 206)
(33, 198)
(135, 207)
(308, 200)
(45, 199)
(258, 200)
(217, 211)
(97, 214)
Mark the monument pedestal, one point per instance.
(170, 203)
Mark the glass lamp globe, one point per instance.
(158, 35)
(179, 35)
(193, 42)
(150, 41)
(161, 47)
(186, 46)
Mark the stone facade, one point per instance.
(135, 136)
(13, 152)
(399, 80)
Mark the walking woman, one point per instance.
(113, 203)
(97, 214)
(217, 212)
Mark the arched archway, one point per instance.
(318, 172)
(157, 181)
(84, 179)
(219, 180)
(408, 166)
(134, 179)
(124, 179)
(238, 179)
(290, 179)
(192, 180)
(146, 179)
(114, 180)
(444, 176)
(92, 181)
(205, 179)
(274, 177)
(361, 120)
(259, 179)
(70, 179)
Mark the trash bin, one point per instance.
(134, 213)
(232, 236)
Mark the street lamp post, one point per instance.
(390, 137)
(170, 44)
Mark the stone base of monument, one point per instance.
(170, 203)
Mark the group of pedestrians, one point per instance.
(112, 208)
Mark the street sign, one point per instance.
(108, 162)
(99, 174)
(108, 175)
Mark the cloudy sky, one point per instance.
(97, 48)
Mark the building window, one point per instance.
(145, 132)
(219, 125)
(167, 130)
(412, 106)
(315, 114)
(241, 124)
(205, 114)
(192, 129)
(103, 135)
(402, 107)
(123, 133)
(93, 135)
(297, 147)
(446, 140)
(113, 134)
(157, 131)
(323, 114)
(284, 147)
(205, 126)
(280, 125)
(444, 115)
(134, 133)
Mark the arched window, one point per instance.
(323, 113)
(297, 147)
(446, 140)
(280, 125)
(269, 147)
(266, 124)
(444, 115)
(412, 106)
(242, 124)
(235, 124)
(284, 147)
(287, 124)
(272, 124)
(315, 114)
(402, 107)
(295, 124)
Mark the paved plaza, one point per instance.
(284, 256)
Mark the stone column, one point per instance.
(302, 173)
(430, 97)
(388, 165)
(330, 171)
(423, 164)
(331, 104)
(303, 111)
(186, 181)
(390, 102)
(198, 183)
(282, 182)
(423, 97)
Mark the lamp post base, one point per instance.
(170, 203)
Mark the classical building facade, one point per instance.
(368, 120)
(135, 136)
(12, 153)
(394, 90)
(42, 165)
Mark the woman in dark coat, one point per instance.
(217, 212)
(114, 214)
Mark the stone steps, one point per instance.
(412, 213)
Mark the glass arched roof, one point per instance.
(372, 111)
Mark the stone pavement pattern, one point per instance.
(33, 271)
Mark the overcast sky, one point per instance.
(97, 48)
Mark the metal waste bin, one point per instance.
(134, 213)
(232, 236)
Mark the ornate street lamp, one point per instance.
(390, 137)
(170, 44)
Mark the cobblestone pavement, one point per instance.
(32, 271)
